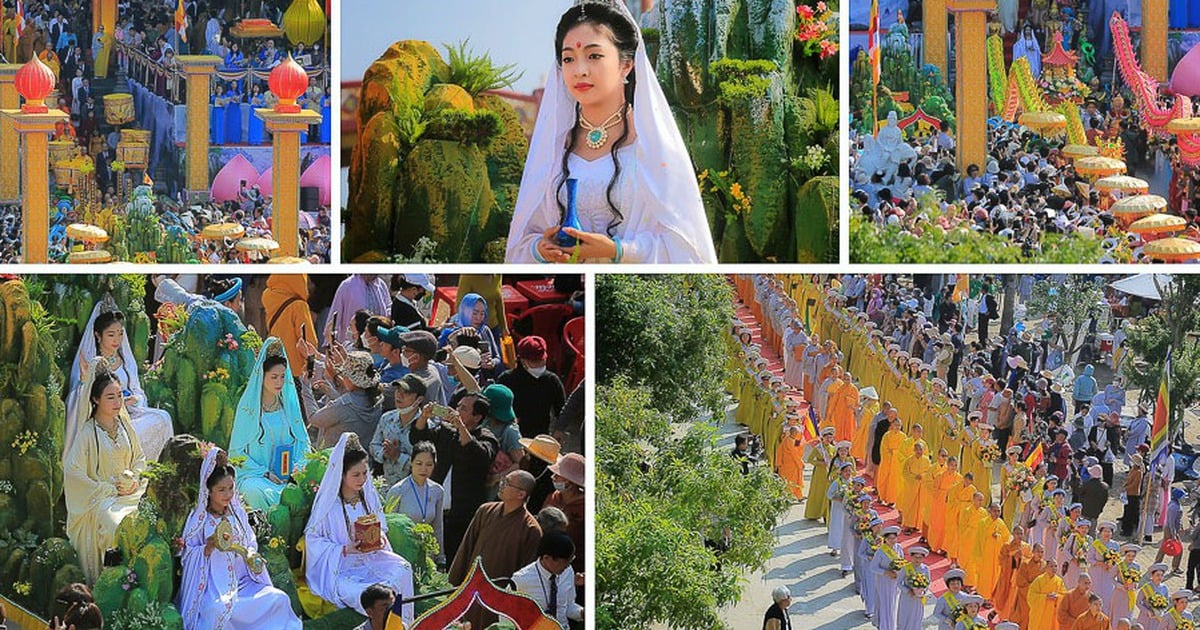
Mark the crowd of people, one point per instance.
(987, 453)
(431, 421)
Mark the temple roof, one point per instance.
(1059, 56)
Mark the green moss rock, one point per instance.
(447, 96)
(155, 569)
(107, 591)
(816, 220)
(447, 197)
(371, 207)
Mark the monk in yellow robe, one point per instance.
(820, 457)
(841, 406)
(939, 502)
(915, 499)
(789, 458)
(957, 504)
(930, 484)
(9, 36)
(862, 435)
(970, 522)
(888, 483)
(1044, 595)
(991, 536)
(1030, 569)
(1012, 553)
(906, 451)
(50, 58)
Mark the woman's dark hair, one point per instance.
(424, 446)
(106, 319)
(625, 37)
(85, 616)
(354, 455)
(272, 361)
(217, 286)
(103, 379)
(360, 320)
(222, 470)
(375, 322)
(70, 595)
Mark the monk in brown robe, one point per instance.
(1011, 555)
(1093, 619)
(1029, 570)
(1075, 602)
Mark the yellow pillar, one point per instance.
(934, 22)
(10, 146)
(198, 69)
(286, 128)
(36, 130)
(971, 87)
(1154, 38)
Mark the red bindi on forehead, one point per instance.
(578, 44)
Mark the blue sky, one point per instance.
(523, 36)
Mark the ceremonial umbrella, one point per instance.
(89, 257)
(218, 231)
(1158, 224)
(1122, 183)
(1045, 123)
(1099, 166)
(1173, 249)
(1138, 206)
(256, 245)
(1076, 151)
(86, 233)
(287, 260)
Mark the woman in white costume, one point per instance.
(335, 567)
(605, 122)
(105, 336)
(225, 589)
(102, 470)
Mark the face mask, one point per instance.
(560, 485)
(362, 339)
(404, 360)
(536, 372)
(404, 411)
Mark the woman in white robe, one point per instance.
(102, 471)
(105, 336)
(638, 198)
(222, 590)
(334, 567)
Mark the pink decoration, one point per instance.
(318, 174)
(1186, 78)
(266, 183)
(228, 181)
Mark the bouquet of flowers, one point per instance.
(1021, 480)
(1081, 555)
(1129, 575)
(953, 430)
(1157, 602)
(900, 564)
(918, 581)
(989, 453)
(1184, 624)
(1110, 557)
(862, 527)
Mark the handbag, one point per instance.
(1171, 547)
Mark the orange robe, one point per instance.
(840, 408)
(888, 483)
(1025, 575)
(1010, 557)
(930, 482)
(959, 501)
(789, 458)
(1091, 621)
(939, 506)
(970, 525)
(1071, 607)
(916, 492)
(992, 535)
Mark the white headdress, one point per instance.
(77, 399)
(667, 194)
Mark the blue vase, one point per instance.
(562, 239)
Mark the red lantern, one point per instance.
(288, 82)
(34, 82)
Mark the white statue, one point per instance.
(885, 152)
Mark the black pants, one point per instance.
(1193, 567)
(1107, 472)
(1002, 437)
(1133, 511)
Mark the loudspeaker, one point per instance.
(310, 198)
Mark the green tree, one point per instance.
(1175, 324)
(1069, 305)
(664, 491)
(666, 333)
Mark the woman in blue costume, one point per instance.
(473, 313)
(268, 421)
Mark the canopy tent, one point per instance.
(1143, 285)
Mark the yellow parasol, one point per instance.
(1158, 224)
(287, 260)
(86, 233)
(1076, 151)
(218, 231)
(1172, 249)
(1184, 125)
(1124, 183)
(256, 245)
(1045, 123)
(1099, 166)
(1138, 206)
(89, 257)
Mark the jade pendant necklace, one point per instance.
(597, 135)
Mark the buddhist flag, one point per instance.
(1160, 433)
(1035, 457)
(810, 425)
(962, 288)
(20, 17)
(181, 21)
(873, 48)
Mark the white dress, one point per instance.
(224, 594)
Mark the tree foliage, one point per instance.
(663, 491)
(1175, 325)
(1069, 303)
(870, 243)
(665, 333)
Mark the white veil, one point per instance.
(328, 492)
(77, 402)
(667, 197)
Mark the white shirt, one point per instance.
(534, 580)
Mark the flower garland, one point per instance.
(1020, 480)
